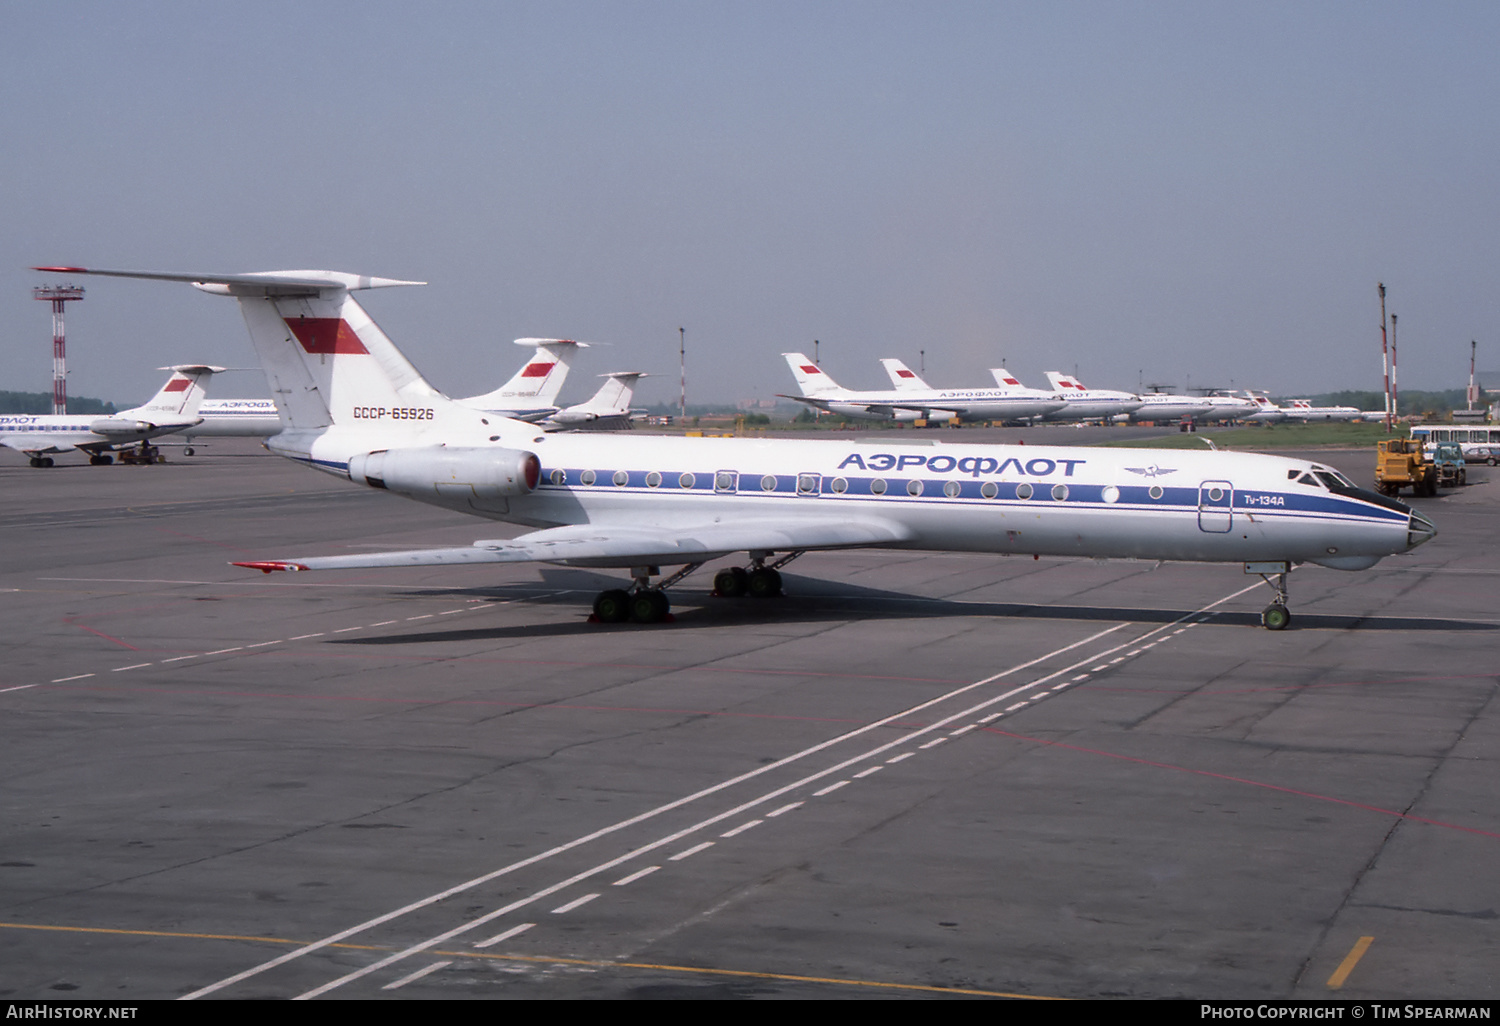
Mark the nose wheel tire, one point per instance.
(1275, 617)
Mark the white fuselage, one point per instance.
(59, 433)
(1047, 500)
(1157, 407)
(968, 404)
(235, 418)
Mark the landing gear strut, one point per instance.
(1276, 616)
(644, 604)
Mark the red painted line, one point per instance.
(1296, 687)
(106, 637)
(1251, 783)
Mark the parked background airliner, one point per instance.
(910, 403)
(175, 407)
(356, 408)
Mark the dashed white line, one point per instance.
(384, 623)
(1117, 659)
(633, 877)
(575, 903)
(424, 616)
(178, 659)
(958, 732)
(785, 808)
(933, 743)
(1081, 676)
(135, 666)
(450, 612)
(304, 637)
(507, 935)
(263, 644)
(23, 687)
(412, 977)
(829, 789)
(982, 719)
(346, 630)
(873, 769)
(689, 852)
(1013, 708)
(742, 828)
(64, 680)
(221, 651)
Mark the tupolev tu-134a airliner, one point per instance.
(356, 408)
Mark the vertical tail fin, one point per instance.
(614, 395)
(1063, 383)
(1004, 379)
(178, 399)
(810, 377)
(903, 377)
(533, 389)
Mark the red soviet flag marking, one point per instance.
(810, 369)
(905, 374)
(537, 370)
(177, 385)
(330, 335)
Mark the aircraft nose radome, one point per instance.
(1419, 530)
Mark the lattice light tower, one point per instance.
(59, 295)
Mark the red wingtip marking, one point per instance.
(267, 566)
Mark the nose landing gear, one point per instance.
(1276, 616)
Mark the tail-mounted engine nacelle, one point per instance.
(441, 471)
(121, 426)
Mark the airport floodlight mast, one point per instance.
(1385, 358)
(1395, 383)
(682, 357)
(59, 295)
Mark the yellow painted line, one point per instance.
(1350, 961)
(594, 963)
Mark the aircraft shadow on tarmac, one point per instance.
(811, 600)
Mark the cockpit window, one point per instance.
(1303, 477)
(1331, 480)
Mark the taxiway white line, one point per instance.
(412, 977)
(829, 789)
(224, 650)
(575, 903)
(136, 666)
(424, 616)
(933, 743)
(514, 931)
(384, 623)
(633, 877)
(23, 687)
(625, 823)
(688, 853)
(770, 815)
(304, 637)
(178, 659)
(346, 630)
(263, 644)
(64, 680)
(742, 828)
(959, 732)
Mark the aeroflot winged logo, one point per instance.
(326, 335)
(1152, 471)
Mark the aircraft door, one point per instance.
(1215, 507)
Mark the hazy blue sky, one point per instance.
(1190, 193)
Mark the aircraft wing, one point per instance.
(627, 545)
(35, 445)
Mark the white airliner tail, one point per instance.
(325, 360)
(903, 377)
(177, 401)
(538, 383)
(1004, 379)
(1063, 383)
(810, 377)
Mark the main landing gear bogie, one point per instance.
(757, 582)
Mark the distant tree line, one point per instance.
(1410, 402)
(41, 402)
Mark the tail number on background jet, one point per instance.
(398, 413)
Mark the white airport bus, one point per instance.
(1481, 442)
